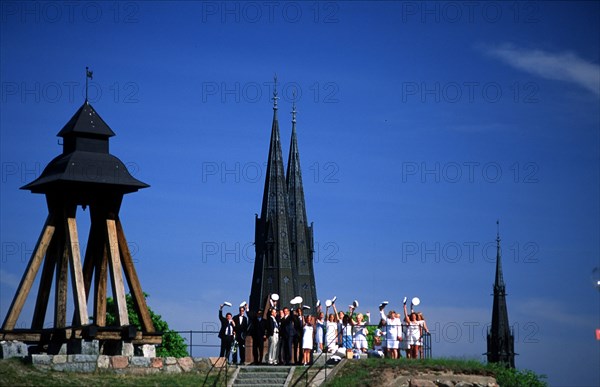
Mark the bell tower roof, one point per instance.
(85, 166)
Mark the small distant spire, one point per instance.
(498, 231)
(275, 97)
(294, 107)
(88, 74)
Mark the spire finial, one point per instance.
(498, 231)
(294, 107)
(275, 97)
(88, 74)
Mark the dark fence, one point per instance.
(196, 339)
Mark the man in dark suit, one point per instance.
(226, 333)
(288, 334)
(257, 330)
(241, 329)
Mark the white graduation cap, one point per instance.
(333, 299)
(226, 303)
(328, 303)
(305, 307)
(275, 297)
(383, 304)
(355, 304)
(243, 304)
(318, 303)
(416, 301)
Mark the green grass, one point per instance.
(362, 373)
(13, 372)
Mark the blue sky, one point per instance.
(419, 125)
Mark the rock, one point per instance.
(59, 359)
(186, 364)
(82, 358)
(172, 369)
(103, 362)
(41, 360)
(421, 383)
(118, 362)
(10, 349)
(170, 360)
(140, 361)
(217, 362)
(146, 350)
(445, 383)
(156, 362)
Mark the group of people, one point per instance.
(292, 335)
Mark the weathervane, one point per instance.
(88, 74)
(275, 97)
(294, 107)
(498, 230)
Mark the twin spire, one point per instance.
(283, 239)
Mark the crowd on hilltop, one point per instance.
(294, 333)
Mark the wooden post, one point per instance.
(27, 280)
(43, 296)
(100, 288)
(76, 272)
(60, 299)
(133, 281)
(116, 274)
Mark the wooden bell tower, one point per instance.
(85, 175)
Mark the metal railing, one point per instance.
(188, 336)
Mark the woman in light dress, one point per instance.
(393, 332)
(413, 334)
(331, 335)
(360, 333)
(423, 326)
(319, 331)
(307, 339)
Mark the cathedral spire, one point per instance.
(301, 234)
(275, 97)
(274, 271)
(499, 281)
(500, 340)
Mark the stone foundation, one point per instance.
(138, 365)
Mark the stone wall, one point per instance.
(124, 364)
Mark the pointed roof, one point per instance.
(274, 196)
(499, 280)
(85, 165)
(301, 235)
(86, 121)
(500, 338)
(274, 271)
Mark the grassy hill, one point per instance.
(368, 372)
(380, 372)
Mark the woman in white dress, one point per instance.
(393, 334)
(319, 331)
(331, 334)
(307, 339)
(360, 334)
(423, 326)
(413, 334)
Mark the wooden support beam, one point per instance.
(133, 281)
(100, 288)
(76, 272)
(89, 263)
(114, 263)
(61, 289)
(43, 296)
(28, 277)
